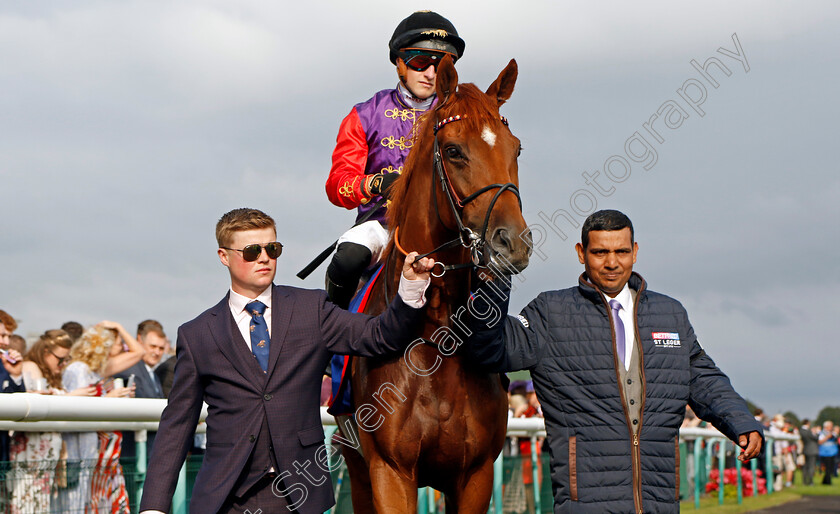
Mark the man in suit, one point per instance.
(810, 449)
(256, 359)
(150, 335)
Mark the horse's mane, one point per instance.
(474, 107)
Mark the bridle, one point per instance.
(466, 236)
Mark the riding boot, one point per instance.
(343, 274)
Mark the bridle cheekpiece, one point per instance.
(466, 236)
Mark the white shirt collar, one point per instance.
(238, 302)
(624, 297)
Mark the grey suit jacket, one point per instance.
(145, 387)
(810, 442)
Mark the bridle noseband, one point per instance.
(466, 236)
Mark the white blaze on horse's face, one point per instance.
(488, 136)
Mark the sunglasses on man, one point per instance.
(252, 252)
(420, 60)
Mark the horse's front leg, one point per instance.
(393, 491)
(473, 492)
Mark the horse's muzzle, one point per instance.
(506, 254)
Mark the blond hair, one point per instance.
(93, 348)
(241, 219)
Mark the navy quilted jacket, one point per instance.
(565, 339)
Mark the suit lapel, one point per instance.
(229, 340)
(282, 304)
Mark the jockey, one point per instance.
(374, 140)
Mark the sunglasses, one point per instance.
(252, 252)
(419, 60)
(61, 360)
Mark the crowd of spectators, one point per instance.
(76, 472)
(816, 450)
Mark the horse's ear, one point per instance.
(502, 88)
(447, 79)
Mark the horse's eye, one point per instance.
(453, 153)
(519, 152)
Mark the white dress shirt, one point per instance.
(625, 298)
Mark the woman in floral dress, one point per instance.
(36, 469)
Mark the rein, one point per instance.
(466, 236)
(443, 267)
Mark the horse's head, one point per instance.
(476, 155)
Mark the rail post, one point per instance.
(721, 467)
(698, 449)
(768, 464)
(140, 437)
(498, 472)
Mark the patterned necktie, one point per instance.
(259, 333)
(618, 325)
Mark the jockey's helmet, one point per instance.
(429, 30)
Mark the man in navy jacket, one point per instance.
(265, 447)
(613, 365)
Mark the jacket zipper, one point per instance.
(634, 450)
(637, 475)
(637, 452)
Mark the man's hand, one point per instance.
(14, 369)
(417, 269)
(750, 446)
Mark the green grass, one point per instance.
(709, 504)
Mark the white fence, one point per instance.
(45, 413)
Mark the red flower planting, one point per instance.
(730, 476)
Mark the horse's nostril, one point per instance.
(501, 239)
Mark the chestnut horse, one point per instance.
(441, 423)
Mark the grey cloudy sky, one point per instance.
(128, 128)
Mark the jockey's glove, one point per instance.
(379, 183)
